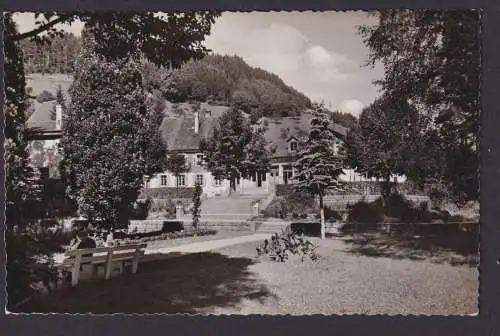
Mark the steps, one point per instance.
(272, 226)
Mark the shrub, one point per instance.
(363, 212)
(306, 228)
(164, 208)
(295, 205)
(172, 226)
(288, 242)
(45, 96)
(168, 193)
(396, 205)
(331, 215)
(196, 210)
(141, 209)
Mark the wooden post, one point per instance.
(75, 274)
(135, 262)
(109, 259)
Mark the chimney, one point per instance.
(58, 117)
(196, 122)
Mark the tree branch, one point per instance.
(40, 29)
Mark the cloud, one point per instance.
(284, 50)
(352, 106)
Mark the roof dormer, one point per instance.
(293, 144)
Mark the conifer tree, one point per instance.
(319, 166)
(196, 211)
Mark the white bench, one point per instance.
(102, 256)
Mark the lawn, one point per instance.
(233, 281)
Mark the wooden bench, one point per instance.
(102, 256)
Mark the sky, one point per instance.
(318, 53)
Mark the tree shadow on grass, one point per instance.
(456, 249)
(193, 283)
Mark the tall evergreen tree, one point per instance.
(110, 139)
(235, 150)
(319, 165)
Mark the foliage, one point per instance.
(58, 56)
(346, 120)
(141, 209)
(319, 165)
(432, 58)
(163, 208)
(235, 150)
(107, 124)
(288, 242)
(176, 164)
(385, 142)
(294, 205)
(165, 39)
(45, 96)
(196, 210)
(364, 212)
(228, 80)
(168, 193)
(22, 236)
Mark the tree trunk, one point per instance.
(322, 216)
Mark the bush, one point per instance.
(363, 212)
(306, 228)
(296, 205)
(396, 205)
(331, 215)
(288, 242)
(45, 96)
(163, 208)
(141, 209)
(168, 193)
(172, 226)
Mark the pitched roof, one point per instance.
(178, 127)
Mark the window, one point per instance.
(293, 146)
(199, 179)
(218, 181)
(163, 180)
(181, 180)
(199, 159)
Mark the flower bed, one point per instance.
(138, 238)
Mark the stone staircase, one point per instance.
(273, 226)
(237, 207)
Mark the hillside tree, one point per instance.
(319, 165)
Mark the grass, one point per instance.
(233, 280)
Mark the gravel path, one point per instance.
(344, 283)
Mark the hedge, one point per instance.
(167, 193)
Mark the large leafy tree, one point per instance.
(319, 165)
(432, 58)
(390, 139)
(235, 149)
(110, 139)
(26, 241)
(164, 38)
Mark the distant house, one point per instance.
(46, 122)
(182, 129)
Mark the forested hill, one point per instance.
(228, 80)
(219, 80)
(58, 57)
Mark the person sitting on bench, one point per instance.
(84, 242)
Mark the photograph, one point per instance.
(241, 163)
